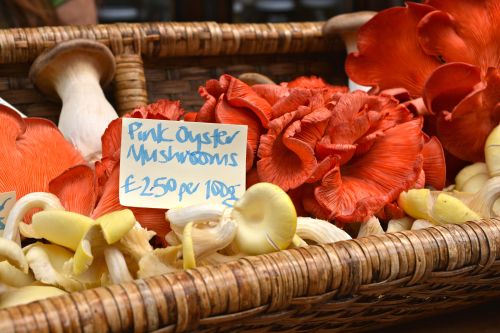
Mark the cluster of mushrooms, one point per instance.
(63, 251)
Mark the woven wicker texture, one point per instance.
(345, 287)
(178, 58)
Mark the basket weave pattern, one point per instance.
(344, 287)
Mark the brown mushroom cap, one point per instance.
(346, 23)
(47, 67)
(251, 78)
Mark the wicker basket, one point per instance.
(348, 286)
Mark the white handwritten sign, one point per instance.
(166, 164)
(7, 201)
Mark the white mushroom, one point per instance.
(319, 231)
(181, 216)
(370, 227)
(421, 224)
(400, 224)
(347, 26)
(74, 71)
(202, 239)
(45, 201)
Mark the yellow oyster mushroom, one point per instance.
(475, 183)
(298, 242)
(421, 224)
(448, 209)
(417, 203)
(47, 261)
(485, 202)
(116, 224)
(172, 239)
(61, 227)
(95, 244)
(160, 261)
(468, 172)
(492, 152)
(28, 294)
(135, 243)
(12, 252)
(266, 218)
(179, 217)
(11, 276)
(188, 256)
(117, 266)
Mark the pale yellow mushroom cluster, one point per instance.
(69, 251)
(263, 220)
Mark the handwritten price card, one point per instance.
(167, 164)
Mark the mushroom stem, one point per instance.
(319, 231)
(84, 103)
(46, 201)
(180, 217)
(484, 200)
(117, 267)
(421, 224)
(347, 26)
(74, 71)
(492, 152)
(370, 227)
(403, 223)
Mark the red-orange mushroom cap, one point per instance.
(434, 166)
(271, 92)
(462, 31)
(466, 108)
(242, 95)
(161, 109)
(286, 152)
(77, 189)
(33, 152)
(355, 191)
(389, 53)
(227, 114)
(370, 152)
(237, 94)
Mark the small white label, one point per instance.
(7, 201)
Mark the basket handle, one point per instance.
(130, 83)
